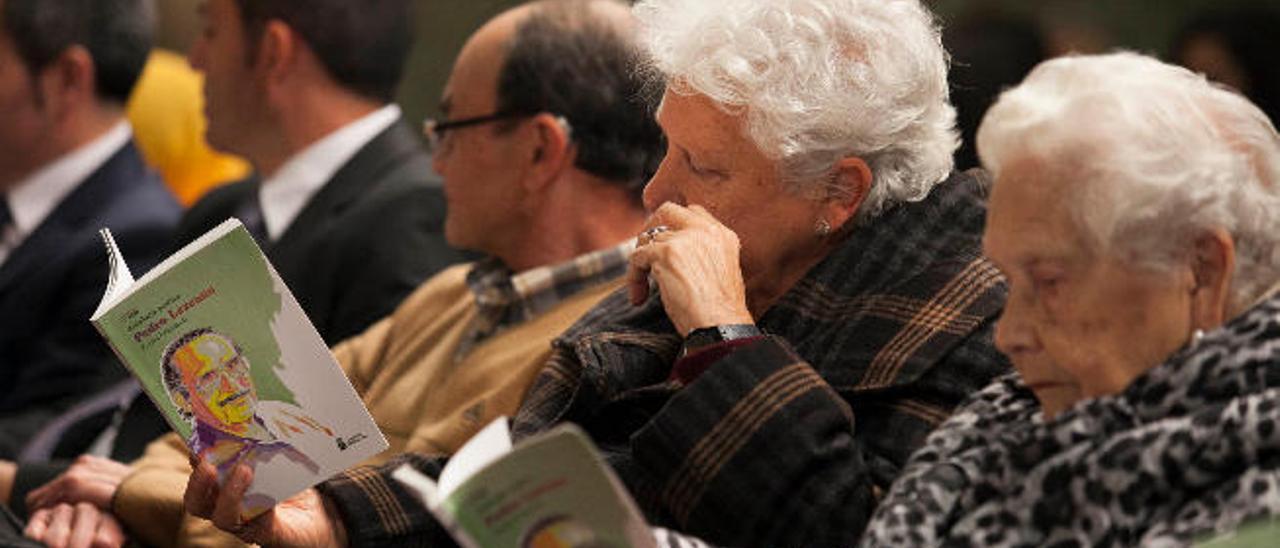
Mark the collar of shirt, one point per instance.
(283, 195)
(504, 299)
(35, 197)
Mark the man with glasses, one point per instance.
(544, 146)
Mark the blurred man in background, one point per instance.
(345, 205)
(68, 167)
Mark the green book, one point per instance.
(1260, 532)
(230, 359)
(552, 491)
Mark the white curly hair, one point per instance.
(817, 81)
(1159, 155)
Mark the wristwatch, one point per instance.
(707, 336)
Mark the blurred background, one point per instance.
(993, 42)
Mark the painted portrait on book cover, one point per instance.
(230, 359)
(209, 380)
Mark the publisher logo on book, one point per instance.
(350, 441)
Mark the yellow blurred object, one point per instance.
(167, 113)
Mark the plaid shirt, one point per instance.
(763, 449)
(504, 299)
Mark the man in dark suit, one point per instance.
(68, 167)
(346, 206)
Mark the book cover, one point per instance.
(552, 491)
(232, 362)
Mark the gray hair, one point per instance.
(1160, 155)
(817, 81)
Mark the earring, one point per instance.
(1197, 336)
(822, 228)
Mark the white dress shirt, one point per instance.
(36, 196)
(284, 194)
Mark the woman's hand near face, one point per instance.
(695, 265)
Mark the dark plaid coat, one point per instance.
(788, 441)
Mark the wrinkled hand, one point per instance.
(75, 526)
(303, 520)
(91, 479)
(695, 264)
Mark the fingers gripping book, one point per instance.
(230, 359)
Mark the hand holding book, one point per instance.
(553, 490)
(230, 359)
(301, 520)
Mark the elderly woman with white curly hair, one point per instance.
(1136, 213)
(809, 299)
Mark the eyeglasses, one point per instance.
(436, 129)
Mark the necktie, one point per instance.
(6, 231)
(6, 216)
(250, 215)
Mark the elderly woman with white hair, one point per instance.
(808, 302)
(1136, 214)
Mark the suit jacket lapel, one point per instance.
(358, 176)
(248, 210)
(124, 168)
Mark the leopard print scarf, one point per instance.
(1189, 450)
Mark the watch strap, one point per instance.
(707, 336)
